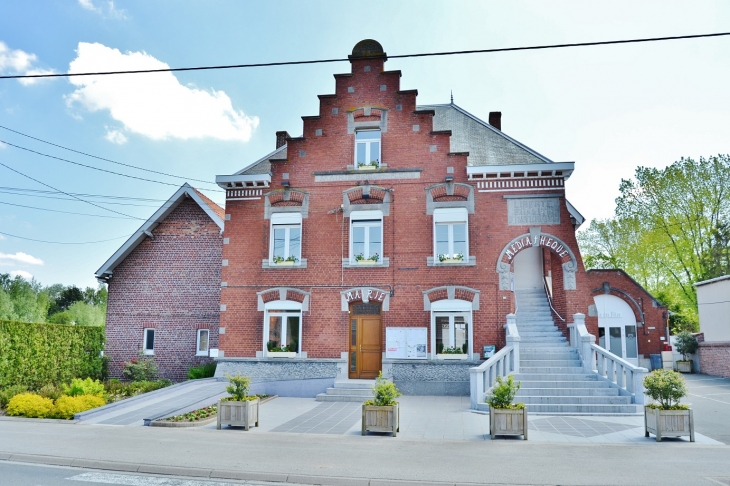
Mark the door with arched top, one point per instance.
(617, 327)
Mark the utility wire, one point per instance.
(401, 56)
(74, 200)
(75, 197)
(23, 189)
(65, 212)
(86, 166)
(65, 242)
(105, 160)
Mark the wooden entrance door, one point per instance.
(365, 346)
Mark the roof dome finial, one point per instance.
(367, 48)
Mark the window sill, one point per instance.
(434, 262)
(149, 353)
(267, 264)
(453, 356)
(383, 263)
(367, 168)
(205, 354)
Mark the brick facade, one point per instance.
(320, 165)
(715, 358)
(170, 282)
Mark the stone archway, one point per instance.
(536, 238)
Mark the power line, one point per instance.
(65, 242)
(86, 166)
(401, 56)
(65, 212)
(83, 200)
(105, 160)
(74, 200)
(130, 198)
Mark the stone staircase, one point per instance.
(348, 391)
(551, 373)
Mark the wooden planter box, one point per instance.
(452, 356)
(380, 419)
(238, 414)
(669, 423)
(684, 366)
(505, 421)
(279, 354)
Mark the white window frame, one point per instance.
(285, 221)
(451, 216)
(149, 352)
(290, 308)
(367, 144)
(455, 308)
(198, 352)
(366, 219)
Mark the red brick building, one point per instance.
(390, 236)
(164, 287)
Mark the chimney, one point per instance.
(495, 119)
(282, 136)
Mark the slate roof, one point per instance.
(486, 145)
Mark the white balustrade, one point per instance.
(618, 372)
(507, 360)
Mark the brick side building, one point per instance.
(164, 287)
(391, 236)
(714, 312)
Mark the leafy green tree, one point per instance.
(29, 301)
(84, 314)
(63, 317)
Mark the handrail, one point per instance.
(507, 360)
(550, 298)
(618, 372)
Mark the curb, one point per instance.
(301, 479)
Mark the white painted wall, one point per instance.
(713, 302)
(528, 269)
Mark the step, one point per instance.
(543, 339)
(562, 370)
(540, 347)
(567, 392)
(548, 378)
(355, 384)
(361, 392)
(550, 363)
(324, 397)
(588, 409)
(574, 400)
(570, 382)
(544, 333)
(549, 354)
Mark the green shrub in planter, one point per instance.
(666, 387)
(238, 388)
(384, 393)
(686, 344)
(503, 393)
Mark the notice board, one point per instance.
(406, 342)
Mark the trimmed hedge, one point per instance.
(35, 355)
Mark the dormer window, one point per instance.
(367, 148)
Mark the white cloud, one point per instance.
(154, 105)
(21, 257)
(16, 61)
(2, 145)
(21, 273)
(115, 136)
(110, 11)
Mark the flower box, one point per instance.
(507, 421)
(367, 167)
(285, 263)
(366, 262)
(238, 414)
(451, 260)
(281, 354)
(668, 423)
(380, 419)
(684, 366)
(452, 356)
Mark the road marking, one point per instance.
(128, 480)
(706, 398)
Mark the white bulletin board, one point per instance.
(406, 342)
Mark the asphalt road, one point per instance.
(709, 397)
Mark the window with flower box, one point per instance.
(451, 235)
(367, 149)
(366, 237)
(286, 239)
(282, 328)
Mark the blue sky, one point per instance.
(608, 108)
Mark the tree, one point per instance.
(84, 314)
(671, 229)
(65, 298)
